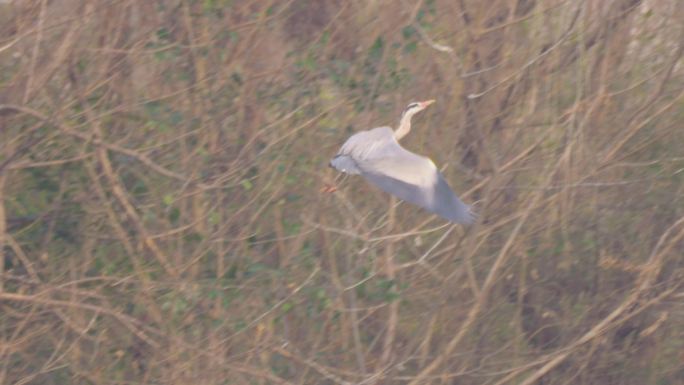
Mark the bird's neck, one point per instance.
(404, 126)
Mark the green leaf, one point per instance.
(325, 37)
(246, 184)
(163, 34)
(167, 199)
(377, 48)
(174, 214)
(213, 218)
(410, 47)
(408, 31)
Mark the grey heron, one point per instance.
(377, 156)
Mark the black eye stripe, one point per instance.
(412, 105)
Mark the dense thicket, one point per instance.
(162, 219)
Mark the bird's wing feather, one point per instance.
(358, 148)
(415, 179)
(439, 200)
(363, 143)
(345, 163)
(377, 156)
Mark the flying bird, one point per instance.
(377, 156)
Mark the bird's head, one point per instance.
(415, 107)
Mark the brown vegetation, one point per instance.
(162, 221)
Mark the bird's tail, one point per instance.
(345, 164)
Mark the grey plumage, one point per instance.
(378, 157)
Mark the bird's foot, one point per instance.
(328, 188)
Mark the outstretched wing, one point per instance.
(415, 179)
(359, 147)
(379, 158)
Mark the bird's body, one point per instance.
(377, 156)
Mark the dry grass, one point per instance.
(161, 219)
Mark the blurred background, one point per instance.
(162, 218)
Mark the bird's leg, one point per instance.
(331, 188)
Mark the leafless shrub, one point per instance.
(161, 220)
